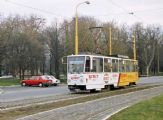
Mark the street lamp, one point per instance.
(76, 26)
(134, 47)
(110, 41)
(134, 42)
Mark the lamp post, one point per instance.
(76, 26)
(134, 42)
(134, 47)
(110, 41)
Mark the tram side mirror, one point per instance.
(64, 60)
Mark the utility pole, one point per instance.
(110, 41)
(134, 47)
(76, 27)
(158, 58)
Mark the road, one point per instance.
(18, 93)
(97, 109)
(21, 93)
(151, 80)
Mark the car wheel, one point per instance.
(23, 84)
(40, 85)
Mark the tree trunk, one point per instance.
(0, 70)
(23, 73)
(20, 72)
(152, 58)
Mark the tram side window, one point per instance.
(121, 66)
(114, 65)
(107, 65)
(132, 66)
(128, 66)
(97, 65)
(135, 67)
(87, 64)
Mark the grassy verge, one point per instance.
(9, 81)
(64, 81)
(20, 112)
(147, 110)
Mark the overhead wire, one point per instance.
(37, 9)
(149, 10)
(127, 11)
(64, 17)
(115, 4)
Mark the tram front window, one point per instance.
(76, 64)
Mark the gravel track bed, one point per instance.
(36, 100)
(96, 109)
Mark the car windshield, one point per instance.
(34, 78)
(52, 77)
(76, 64)
(46, 77)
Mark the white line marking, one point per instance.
(114, 113)
(1, 91)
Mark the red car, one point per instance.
(37, 81)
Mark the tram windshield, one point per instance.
(76, 64)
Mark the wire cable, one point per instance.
(129, 12)
(37, 9)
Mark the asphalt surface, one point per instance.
(17, 93)
(151, 80)
(20, 93)
(97, 109)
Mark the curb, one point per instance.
(9, 86)
(1, 91)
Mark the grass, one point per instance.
(63, 81)
(151, 109)
(63, 78)
(9, 81)
(20, 112)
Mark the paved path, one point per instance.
(97, 109)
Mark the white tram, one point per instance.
(96, 72)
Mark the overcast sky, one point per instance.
(146, 11)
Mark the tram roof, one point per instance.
(99, 55)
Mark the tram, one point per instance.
(97, 72)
